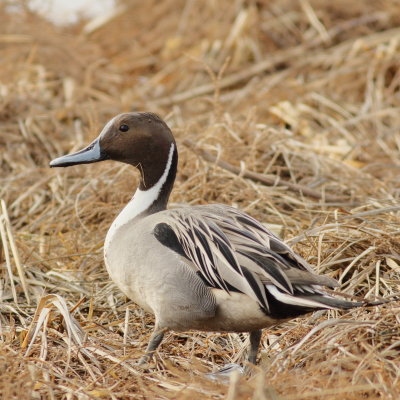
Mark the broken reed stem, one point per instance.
(268, 180)
(3, 237)
(14, 250)
(126, 330)
(269, 64)
(229, 80)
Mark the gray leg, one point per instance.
(155, 340)
(255, 338)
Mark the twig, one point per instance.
(3, 237)
(378, 211)
(230, 80)
(14, 251)
(270, 63)
(269, 180)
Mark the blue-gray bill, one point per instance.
(89, 154)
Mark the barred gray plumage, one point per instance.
(233, 251)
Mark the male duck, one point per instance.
(210, 268)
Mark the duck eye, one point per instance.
(124, 128)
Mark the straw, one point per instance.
(288, 110)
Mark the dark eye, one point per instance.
(124, 128)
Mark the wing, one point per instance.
(234, 252)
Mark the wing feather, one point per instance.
(233, 251)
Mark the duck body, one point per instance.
(208, 268)
(178, 296)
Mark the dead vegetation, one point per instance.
(289, 110)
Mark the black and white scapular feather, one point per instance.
(234, 252)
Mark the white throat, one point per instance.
(141, 201)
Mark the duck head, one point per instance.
(141, 139)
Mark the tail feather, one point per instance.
(332, 301)
(328, 301)
(301, 302)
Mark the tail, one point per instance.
(309, 299)
(330, 301)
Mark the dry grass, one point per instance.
(301, 92)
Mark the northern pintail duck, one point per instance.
(208, 268)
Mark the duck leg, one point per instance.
(155, 340)
(255, 338)
(224, 373)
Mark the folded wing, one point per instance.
(234, 252)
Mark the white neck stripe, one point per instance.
(141, 200)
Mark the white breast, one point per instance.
(140, 202)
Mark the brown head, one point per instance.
(141, 139)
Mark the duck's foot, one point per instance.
(225, 372)
(144, 360)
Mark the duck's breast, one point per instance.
(155, 277)
(132, 256)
